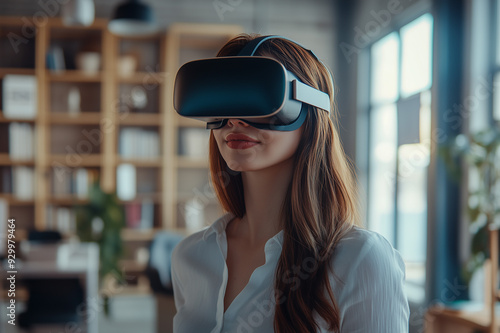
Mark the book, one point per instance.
(133, 215)
(55, 59)
(6, 180)
(21, 141)
(63, 220)
(19, 95)
(138, 143)
(81, 181)
(147, 214)
(23, 182)
(61, 183)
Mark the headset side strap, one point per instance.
(306, 94)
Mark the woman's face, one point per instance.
(246, 148)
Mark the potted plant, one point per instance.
(481, 151)
(101, 221)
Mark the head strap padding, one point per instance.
(251, 47)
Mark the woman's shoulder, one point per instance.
(359, 237)
(363, 251)
(201, 240)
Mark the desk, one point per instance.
(65, 260)
(442, 320)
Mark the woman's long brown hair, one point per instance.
(320, 205)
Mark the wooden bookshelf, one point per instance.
(62, 140)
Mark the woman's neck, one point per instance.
(264, 192)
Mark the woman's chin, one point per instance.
(238, 166)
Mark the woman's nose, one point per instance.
(236, 122)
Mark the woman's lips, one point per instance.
(240, 141)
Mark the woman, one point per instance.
(290, 254)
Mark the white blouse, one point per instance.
(371, 298)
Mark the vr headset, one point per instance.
(258, 90)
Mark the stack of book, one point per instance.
(140, 215)
(76, 182)
(21, 141)
(23, 180)
(62, 219)
(139, 143)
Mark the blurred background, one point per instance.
(103, 178)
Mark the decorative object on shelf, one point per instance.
(133, 18)
(126, 181)
(78, 12)
(19, 95)
(126, 65)
(55, 59)
(138, 97)
(88, 62)
(481, 151)
(74, 101)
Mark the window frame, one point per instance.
(370, 106)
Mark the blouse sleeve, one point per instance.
(373, 297)
(176, 282)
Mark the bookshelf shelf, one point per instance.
(186, 122)
(75, 76)
(129, 234)
(14, 201)
(68, 200)
(16, 71)
(191, 163)
(83, 118)
(11, 120)
(144, 163)
(141, 119)
(144, 78)
(5, 159)
(77, 160)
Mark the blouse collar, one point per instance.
(219, 227)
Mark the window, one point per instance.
(496, 66)
(399, 143)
